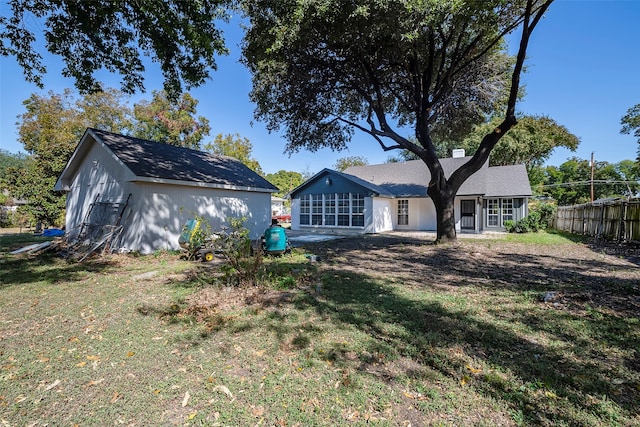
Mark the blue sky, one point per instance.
(583, 71)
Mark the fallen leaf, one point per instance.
(550, 394)
(115, 397)
(131, 353)
(192, 416)
(94, 358)
(94, 382)
(52, 385)
(223, 389)
(185, 401)
(473, 370)
(409, 395)
(81, 364)
(464, 380)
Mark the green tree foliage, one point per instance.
(49, 131)
(346, 162)
(631, 123)
(530, 142)
(570, 183)
(404, 156)
(170, 122)
(10, 160)
(285, 181)
(237, 147)
(181, 36)
(322, 70)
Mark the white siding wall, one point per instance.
(295, 214)
(99, 174)
(426, 213)
(157, 212)
(384, 211)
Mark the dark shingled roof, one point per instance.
(411, 178)
(148, 159)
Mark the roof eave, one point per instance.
(201, 184)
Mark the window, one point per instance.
(343, 209)
(329, 209)
(316, 209)
(403, 212)
(332, 209)
(507, 210)
(305, 209)
(493, 212)
(357, 210)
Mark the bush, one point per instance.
(243, 265)
(538, 219)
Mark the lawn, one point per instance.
(383, 330)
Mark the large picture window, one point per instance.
(332, 209)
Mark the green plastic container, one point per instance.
(275, 240)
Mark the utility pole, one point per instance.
(592, 168)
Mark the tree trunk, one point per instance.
(443, 196)
(446, 220)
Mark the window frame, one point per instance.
(402, 212)
(339, 210)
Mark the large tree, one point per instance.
(531, 142)
(631, 123)
(570, 183)
(49, 131)
(170, 121)
(285, 181)
(237, 147)
(322, 70)
(345, 162)
(181, 36)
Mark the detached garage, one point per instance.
(149, 190)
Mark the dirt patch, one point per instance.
(572, 276)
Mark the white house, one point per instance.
(152, 189)
(394, 196)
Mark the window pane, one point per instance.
(343, 220)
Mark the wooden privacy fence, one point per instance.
(612, 219)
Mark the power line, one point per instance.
(596, 181)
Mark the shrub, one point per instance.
(243, 262)
(538, 219)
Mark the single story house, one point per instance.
(151, 189)
(394, 196)
(277, 206)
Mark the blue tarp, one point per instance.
(53, 232)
